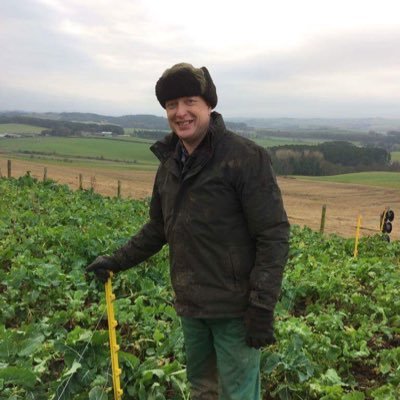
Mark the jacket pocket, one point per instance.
(241, 260)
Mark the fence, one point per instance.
(135, 184)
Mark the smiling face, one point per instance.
(189, 118)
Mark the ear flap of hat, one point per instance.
(210, 94)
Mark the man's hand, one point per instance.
(102, 266)
(260, 327)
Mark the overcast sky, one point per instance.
(280, 58)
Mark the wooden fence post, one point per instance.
(119, 189)
(9, 169)
(323, 215)
(93, 182)
(80, 182)
(355, 254)
(45, 174)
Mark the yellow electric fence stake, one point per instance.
(383, 219)
(357, 236)
(112, 323)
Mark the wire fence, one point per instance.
(128, 184)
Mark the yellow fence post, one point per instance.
(357, 236)
(112, 323)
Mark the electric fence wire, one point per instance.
(80, 356)
(103, 389)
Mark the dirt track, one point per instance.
(303, 199)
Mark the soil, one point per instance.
(303, 199)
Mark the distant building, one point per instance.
(103, 134)
(9, 135)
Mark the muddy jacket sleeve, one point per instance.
(148, 241)
(268, 226)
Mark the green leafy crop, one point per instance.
(337, 320)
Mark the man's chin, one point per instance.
(184, 133)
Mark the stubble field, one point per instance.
(303, 199)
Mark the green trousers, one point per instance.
(220, 365)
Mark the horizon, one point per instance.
(226, 118)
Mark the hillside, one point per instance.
(147, 122)
(379, 125)
(299, 125)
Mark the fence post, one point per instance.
(80, 182)
(322, 226)
(93, 182)
(112, 323)
(119, 189)
(355, 254)
(9, 169)
(45, 174)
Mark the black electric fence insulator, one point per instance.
(387, 218)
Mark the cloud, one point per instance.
(361, 69)
(282, 57)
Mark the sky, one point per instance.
(268, 59)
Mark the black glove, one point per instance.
(259, 327)
(102, 266)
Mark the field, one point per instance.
(337, 322)
(382, 179)
(303, 198)
(395, 156)
(103, 162)
(20, 129)
(117, 150)
(274, 141)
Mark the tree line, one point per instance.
(329, 158)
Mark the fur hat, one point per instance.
(183, 80)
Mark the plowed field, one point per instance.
(303, 199)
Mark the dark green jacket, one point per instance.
(223, 219)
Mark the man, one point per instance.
(217, 204)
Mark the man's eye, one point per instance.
(170, 106)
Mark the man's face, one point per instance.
(189, 118)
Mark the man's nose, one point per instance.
(180, 109)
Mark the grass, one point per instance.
(131, 131)
(129, 138)
(20, 129)
(373, 178)
(85, 148)
(395, 156)
(77, 162)
(274, 141)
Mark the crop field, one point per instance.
(117, 150)
(395, 155)
(337, 320)
(373, 178)
(20, 129)
(275, 141)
